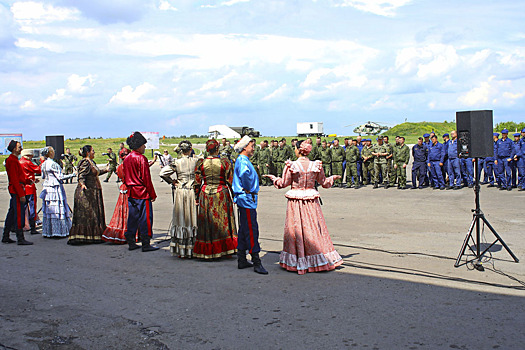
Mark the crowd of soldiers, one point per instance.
(434, 164)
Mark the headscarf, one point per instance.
(211, 144)
(44, 151)
(136, 140)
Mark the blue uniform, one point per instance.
(245, 187)
(514, 164)
(419, 167)
(428, 178)
(467, 171)
(490, 168)
(435, 157)
(445, 161)
(454, 169)
(505, 151)
(521, 164)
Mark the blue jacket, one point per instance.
(445, 148)
(420, 153)
(505, 148)
(245, 179)
(435, 153)
(452, 149)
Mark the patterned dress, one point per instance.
(184, 220)
(89, 221)
(118, 225)
(216, 231)
(307, 246)
(55, 210)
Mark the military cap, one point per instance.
(505, 131)
(517, 134)
(447, 135)
(496, 134)
(426, 135)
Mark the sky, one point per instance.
(103, 68)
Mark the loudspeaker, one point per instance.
(57, 142)
(475, 134)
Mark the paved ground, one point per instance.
(397, 288)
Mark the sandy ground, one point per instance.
(397, 288)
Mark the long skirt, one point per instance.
(184, 223)
(216, 232)
(88, 217)
(55, 212)
(307, 246)
(118, 225)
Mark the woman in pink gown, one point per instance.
(307, 246)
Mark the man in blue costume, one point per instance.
(245, 188)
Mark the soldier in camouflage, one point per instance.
(401, 159)
(112, 163)
(368, 162)
(338, 155)
(254, 159)
(68, 163)
(264, 162)
(391, 173)
(325, 154)
(380, 152)
(351, 156)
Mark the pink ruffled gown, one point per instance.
(307, 246)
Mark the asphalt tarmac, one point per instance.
(397, 289)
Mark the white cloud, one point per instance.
(59, 95)
(35, 13)
(385, 8)
(128, 95)
(76, 83)
(35, 44)
(493, 91)
(429, 61)
(277, 93)
(165, 5)
(29, 104)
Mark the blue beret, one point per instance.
(426, 135)
(523, 130)
(445, 135)
(496, 134)
(504, 131)
(517, 134)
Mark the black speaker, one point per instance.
(475, 134)
(57, 142)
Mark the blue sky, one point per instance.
(105, 68)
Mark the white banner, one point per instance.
(6, 138)
(153, 139)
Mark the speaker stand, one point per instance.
(478, 216)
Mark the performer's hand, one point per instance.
(153, 200)
(197, 203)
(23, 199)
(83, 187)
(337, 177)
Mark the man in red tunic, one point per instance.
(30, 170)
(15, 219)
(137, 178)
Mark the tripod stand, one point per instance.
(477, 217)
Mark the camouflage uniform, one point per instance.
(380, 163)
(368, 164)
(254, 159)
(284, 153)
(326, 157)
(401, 157)
(112, 162)
(338, 155)
(352, 155)
(69, 165)
(226, 151)
(391, 173)
(265, 157)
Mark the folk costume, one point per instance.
(55, 210)
(30, 170)
(307, 246)
(215, 219)
(137, 178)
(118, 225)
(245, 188)
(184, 219)
(89, 221)
(15, 218)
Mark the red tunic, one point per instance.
(137, 176)
(30, 169)
(15, 173)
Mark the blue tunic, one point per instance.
(245, 178)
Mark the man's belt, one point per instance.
(252, 193)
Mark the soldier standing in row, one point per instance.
(68, 163)
(368, 162)
(435, 162)
(391, 173)
(504, 155)
(112, 163)
(264, 161)
(254, 159)
(352, 156)
(401, 159)
(380, 152)
(325, 155)
(338, 155)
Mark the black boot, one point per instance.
(146, 246)
(257, 264)
(376, 185)
(242, 262)
(20, 238)
(131, 243)
(33, 228)
(5, 237)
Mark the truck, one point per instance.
(224, 131)
(307, 129)
(245, 130)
